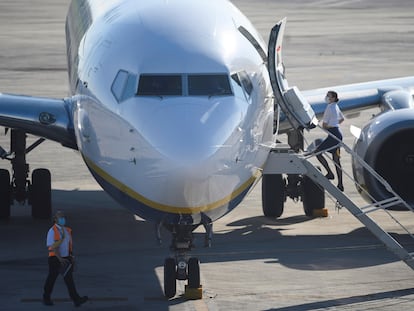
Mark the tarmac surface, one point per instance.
(293, 263)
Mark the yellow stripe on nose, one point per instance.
(169, 208)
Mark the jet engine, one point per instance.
(386, 143)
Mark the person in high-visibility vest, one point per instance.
(59, 243)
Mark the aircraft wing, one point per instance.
(44, 117)
(300, 108)
(387, 94)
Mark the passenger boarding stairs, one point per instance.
(283, 160)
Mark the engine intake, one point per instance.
(387, 145)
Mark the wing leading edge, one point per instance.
(44, 117)
(359, 96)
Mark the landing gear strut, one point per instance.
(179, 266)
(36, 192)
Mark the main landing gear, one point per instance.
(179, 266)
(276, 188)
(36, 192)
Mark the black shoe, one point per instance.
(341, 187)
(47, 302)
(80, 300)
(330, 176)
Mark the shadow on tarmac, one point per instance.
(97, 219)
(116, 250)
(349, 301)
(260, 237)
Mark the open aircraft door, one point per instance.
(301, 116)
(296, 108)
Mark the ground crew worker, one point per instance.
(59, 243)
(332, 118)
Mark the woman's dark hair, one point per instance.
(334, 95)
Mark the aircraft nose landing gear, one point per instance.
(180, 267)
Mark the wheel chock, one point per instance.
(193, 293)
(321, 212)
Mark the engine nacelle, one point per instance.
(396, 99)
(386, 143)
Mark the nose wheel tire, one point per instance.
(170, 285)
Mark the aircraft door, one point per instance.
(297, 109)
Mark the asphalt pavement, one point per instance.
(293, 263)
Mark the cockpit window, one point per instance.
(184, 85)
(245, 81)
(119, 84)
(242, 83)
(159, 85)
(124, 85)
(209, 85)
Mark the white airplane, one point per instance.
(172, 108)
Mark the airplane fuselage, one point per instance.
(174, 108)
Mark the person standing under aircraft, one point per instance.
(332, 118)
(59, 243)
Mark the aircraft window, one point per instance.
(130, 86)
(119, 84)
(209, 85)
(237, 87)
(124, 85)
(243, 81)
(159, 85)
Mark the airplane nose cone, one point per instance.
(194, 156)
(187, 133)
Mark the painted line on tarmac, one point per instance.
(294, 250)
(113, 299)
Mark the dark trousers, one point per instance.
(54, 270)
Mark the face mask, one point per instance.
(61, 221)
(327, 100)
